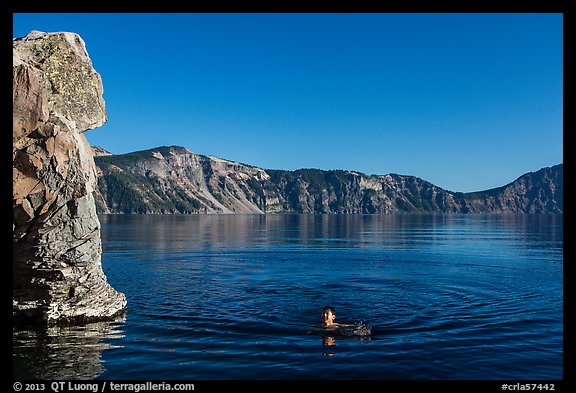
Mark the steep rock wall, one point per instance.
(174, 180)
(57, 271)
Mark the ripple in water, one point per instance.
(238, 297)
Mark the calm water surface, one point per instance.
(238, 297)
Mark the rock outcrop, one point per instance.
(99, 151)
(57, 271)
(175, 180)
(532, 193)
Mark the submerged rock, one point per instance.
(57, 270)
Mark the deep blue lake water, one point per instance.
(238, 297)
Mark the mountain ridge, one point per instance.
(172, 180)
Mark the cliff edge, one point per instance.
(56, 255)
(174, 180)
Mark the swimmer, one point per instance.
(328, 316)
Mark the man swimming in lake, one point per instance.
(328, 316)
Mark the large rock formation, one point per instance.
(99, 151)
(57, 271)
(532, 193)
(175, 180)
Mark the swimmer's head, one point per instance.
(328, 316)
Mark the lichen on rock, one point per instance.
(57, 271)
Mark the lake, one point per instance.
(240, 297)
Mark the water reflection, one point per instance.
(329, 341)
(173, 232)
(206, 292)
(208, 232)
(57, 353)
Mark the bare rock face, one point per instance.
(100, 151)
(172, 179)
(57, 271)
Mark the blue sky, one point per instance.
(466, 101)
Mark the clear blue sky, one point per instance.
(466, 101)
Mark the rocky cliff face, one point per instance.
(99, 151)
(175, 180)
(57, 272)
(317, 191)
(532, 193)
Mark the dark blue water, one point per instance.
(238, 297)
